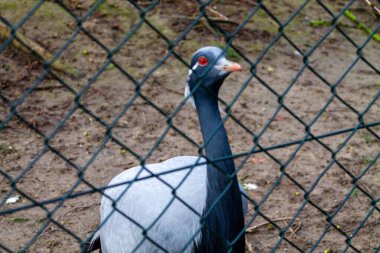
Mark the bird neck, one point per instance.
(214, 134)
(223, 215)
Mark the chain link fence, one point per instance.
(304, 115)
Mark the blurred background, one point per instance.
(303, 121)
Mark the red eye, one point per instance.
(202, 61)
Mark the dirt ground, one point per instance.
(44, 175)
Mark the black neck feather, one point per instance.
(223, 215)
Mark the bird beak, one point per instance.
(230, 66)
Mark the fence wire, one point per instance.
(285, 233)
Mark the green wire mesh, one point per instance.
(285, 232)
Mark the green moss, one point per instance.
(350, 15)
(232, 54)
(16, 219)
(376, 37)
(360, 25)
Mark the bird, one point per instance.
(186, 203)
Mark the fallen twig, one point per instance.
(51, 87)
(220, 15)
(206, 22)
(329, 111)
(253, 228)
(253, 246)
(216, 20)
(294, 231)
(249, 246)
(209, 27)
(374, 8)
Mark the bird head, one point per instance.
(208, 69)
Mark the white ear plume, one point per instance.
(187, 87)
(187, 93)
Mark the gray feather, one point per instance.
(144, 202)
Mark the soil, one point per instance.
(48, 144)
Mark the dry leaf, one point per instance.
(258, 160)
(13, 199)
(279, 118)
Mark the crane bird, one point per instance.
(198, 208)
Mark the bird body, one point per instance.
(147, 201)
(187, 203)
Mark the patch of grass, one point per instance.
(110, 66)
(132, 70)
(8, 5)
(364, 160)
(368, 138)
(16, 219)
(231, 54)
(319, 23)
(49, 14)
(354, 193)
